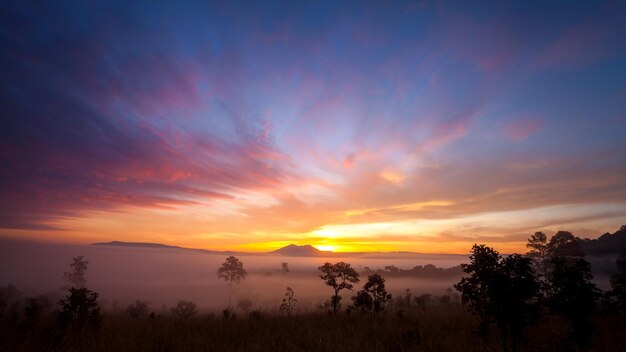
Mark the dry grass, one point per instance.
(440, 328)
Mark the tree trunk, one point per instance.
(230, 285)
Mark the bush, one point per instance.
(80, 308)
(185, 310)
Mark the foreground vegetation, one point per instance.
(438, 328)
(544, 300)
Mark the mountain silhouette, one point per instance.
(607, 244)
(306, 250)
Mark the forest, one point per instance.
(542, 300)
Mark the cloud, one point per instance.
(521, 129)
(597, 36)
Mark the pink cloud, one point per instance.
(520, 130)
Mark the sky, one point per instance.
(422, 126)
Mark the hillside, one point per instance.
(306, 250)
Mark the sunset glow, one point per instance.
(352, 127)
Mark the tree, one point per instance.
(231, 271)
(284, 267)
(35, 307)
(185, 310)
(475, 289)
(339, 276)
(423, 300)
(564, 244)
(289, 303)
(76, 277)
(138, 309)
(362, 302)
(538, 244)
(374, 288)
(516, 298)
(80, 308)
(502, 289)
(618, 280)
(573, 296)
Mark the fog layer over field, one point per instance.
(164, 276)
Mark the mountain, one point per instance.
(291, 250)
(306, 250)
(609, 243)
(136, 244)
(155, 246)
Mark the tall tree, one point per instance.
(515, 295)
(476, 287)
(231, 271)
(339, 276)
(538, 245)
(375, 286)
(80, 308)
(618, 280)
(373, 296)
(501, 289)
(76, 276)
(573, 295)
(565, 244)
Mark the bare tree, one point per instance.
(285, 267)
(76, 277)
(231, 271)
(339, 276)
(289, 303)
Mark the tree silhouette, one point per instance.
(564, 244)
(231, 271)
(138, 309)
(80, 308)
(339, 276)
(423, 300)
(76, 277)
(373, 295)
(289, 303)
(573, 296)
(618, 281)
(185, 310)
(476, 288)
(515, 295)
(35, 307)
(539, 253)
(284, 268)
(502, 289)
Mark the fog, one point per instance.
(164, 276)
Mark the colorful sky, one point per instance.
(421, 126)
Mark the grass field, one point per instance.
(439, 328)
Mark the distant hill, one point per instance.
(291, 250)
(306, 250)
(607, 244)
(155, 246)
(136, 244)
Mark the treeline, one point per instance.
(507, 295)
(427, 271)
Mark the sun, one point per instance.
(326, 247)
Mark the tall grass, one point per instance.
(438, 328)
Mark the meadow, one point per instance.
(437, 328)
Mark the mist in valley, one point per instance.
(162, 277)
